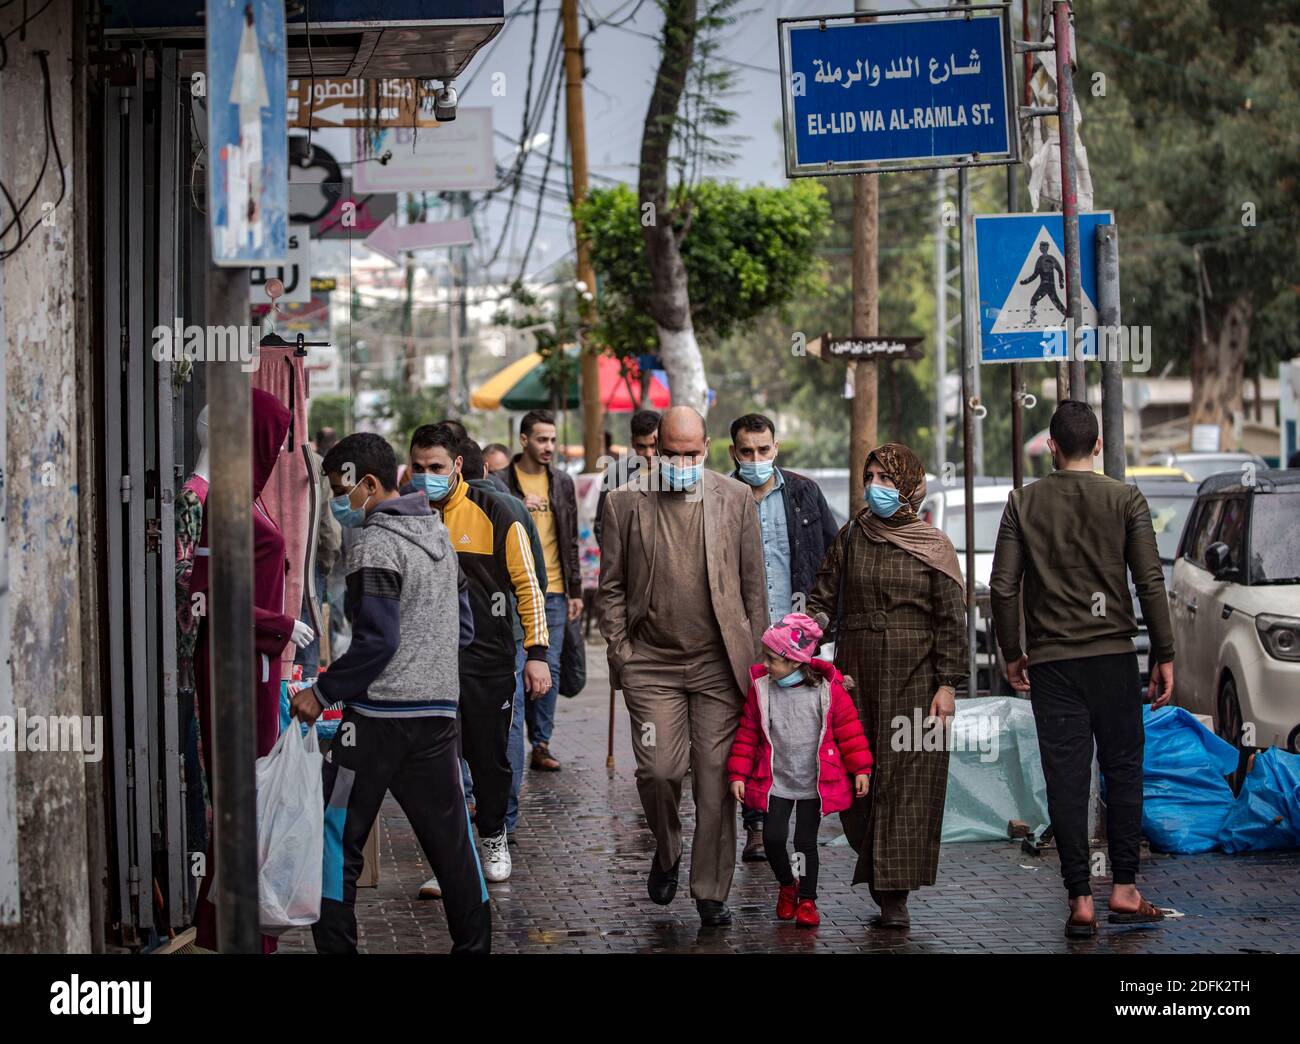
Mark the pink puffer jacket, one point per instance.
(842, 753)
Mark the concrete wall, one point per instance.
(43, 335)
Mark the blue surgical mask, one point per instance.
(755, 472)
(882, 500)
(435, 487)
(345, 513)
(676, 477)
(791, 680)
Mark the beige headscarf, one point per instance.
(904, 529)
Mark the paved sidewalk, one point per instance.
(583, 850)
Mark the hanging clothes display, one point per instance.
(288, 496)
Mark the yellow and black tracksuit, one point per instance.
(497, 560)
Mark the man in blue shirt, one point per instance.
(797, 527)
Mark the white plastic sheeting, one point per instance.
(994, 771)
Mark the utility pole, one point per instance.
(593, 424)
(866, 320)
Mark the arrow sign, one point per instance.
(392, 240)
(872, 347)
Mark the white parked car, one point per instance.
(1235, 604)
(944, 508)
(1201, 466)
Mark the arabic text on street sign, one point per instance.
(356, 103)
(873, 347)
(1020, 281)
(898, 93)
(248, 173)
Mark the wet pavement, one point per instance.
(583, 850)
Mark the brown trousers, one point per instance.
(684, 715)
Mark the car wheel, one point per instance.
(1230, 723)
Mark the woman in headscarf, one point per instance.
(892, 588)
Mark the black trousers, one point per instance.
(486, 707)
(418, 760)
(776, 829)
(1075, 702)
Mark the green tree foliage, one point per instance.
(1192, 121)
(330, 411)
(749, 250)
(406, 408)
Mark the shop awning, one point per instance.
(520, 386)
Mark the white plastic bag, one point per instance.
(290, 831)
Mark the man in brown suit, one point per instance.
(683, 600)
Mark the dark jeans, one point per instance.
(752, 818)
(776, 829)
(486, 707)
(1074, 702)
(416, 759)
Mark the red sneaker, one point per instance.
(786, 901)
(807, 916)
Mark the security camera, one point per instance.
(444, 104)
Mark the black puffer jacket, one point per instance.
(811, 526)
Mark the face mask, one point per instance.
(435, 487)
(680, 477)
(882, 500)
(791, 680)
(345, 513)
(756, 472)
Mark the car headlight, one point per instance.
(1280, 635)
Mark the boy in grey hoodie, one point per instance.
(399, 684)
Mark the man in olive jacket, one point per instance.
(1072, 538)
(683, 599)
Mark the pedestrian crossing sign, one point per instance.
(1020, 276)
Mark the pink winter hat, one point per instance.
(796, 637)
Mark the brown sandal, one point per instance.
(1144, 914)
(1080, 929)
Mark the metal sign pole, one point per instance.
(1112, 369)
(968, 425)
(1069, 192)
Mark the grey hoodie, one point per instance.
(404, 605)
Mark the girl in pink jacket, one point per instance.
(798, 742)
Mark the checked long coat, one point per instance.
(901, 634)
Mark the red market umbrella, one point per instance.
(620, 394)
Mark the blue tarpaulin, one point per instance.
(1185, 797)
(1266, 814)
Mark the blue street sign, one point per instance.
(248, 133)
(1020, 276)
(898, 93)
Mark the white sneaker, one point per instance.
(431, 889)
(496, 858)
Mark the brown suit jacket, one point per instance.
(733, 550)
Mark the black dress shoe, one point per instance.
(663, 883)
(713, 914)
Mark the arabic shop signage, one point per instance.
(898, 93)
